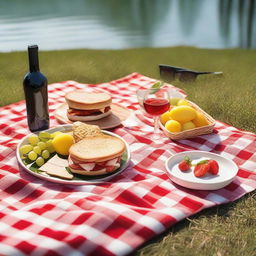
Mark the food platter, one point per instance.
(227, 171)
(119, 114)
(78, 179)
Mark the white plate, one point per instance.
(76, 180)
(227, 171)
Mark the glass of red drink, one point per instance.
(155, 102)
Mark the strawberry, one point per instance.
(201, 168)
(214, 167)
(185, 164)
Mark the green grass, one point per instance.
(225, 230)
(220, 231)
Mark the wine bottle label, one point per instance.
(39, 105)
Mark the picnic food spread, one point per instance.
(90, 152)
(116, 216)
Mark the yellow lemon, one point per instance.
(183, 102)
(187, 126)
(200, 120)
(165, 117)
(174, 101)
(183, 114)
(62, 142)
(173, 126)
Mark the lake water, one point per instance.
(118, 24)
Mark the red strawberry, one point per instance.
(185, 164)
(201, 168)
(214, 167)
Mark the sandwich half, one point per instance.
(87, 106)
(96, 155)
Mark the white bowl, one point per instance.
(227, 171)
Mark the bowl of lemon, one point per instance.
(185, 120)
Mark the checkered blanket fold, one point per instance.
(115, 217)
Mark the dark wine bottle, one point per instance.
(36, 93)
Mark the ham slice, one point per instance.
(80, 112)
(109, 165)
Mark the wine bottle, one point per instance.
(36, 93)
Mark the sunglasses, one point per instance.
(171, 73)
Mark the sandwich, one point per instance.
(87, 106)
(96, 155)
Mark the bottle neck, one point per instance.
(33, 59)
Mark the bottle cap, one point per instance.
(33, 46)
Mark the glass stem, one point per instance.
(156, 125)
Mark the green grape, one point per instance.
(43, 140)
(45, 154)
(49, 146)
(51, 149)
(48, 143)
(32, 155)
(55, 134)
(37, 149)
(42, 145)
(44, 135)
(40, 161)
(33, 140)
(25, 149)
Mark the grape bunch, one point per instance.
(39, 148)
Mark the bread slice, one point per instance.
(83, 172)
(83, 100)
(82, 130)
(97, 149)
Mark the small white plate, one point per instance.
(227, 171)
(78, 179)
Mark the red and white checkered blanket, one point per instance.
(113, 218)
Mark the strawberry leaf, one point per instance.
(188, 160)
(202, 162)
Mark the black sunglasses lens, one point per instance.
(187, 76)
(167, 74)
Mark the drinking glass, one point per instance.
(155, 102)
